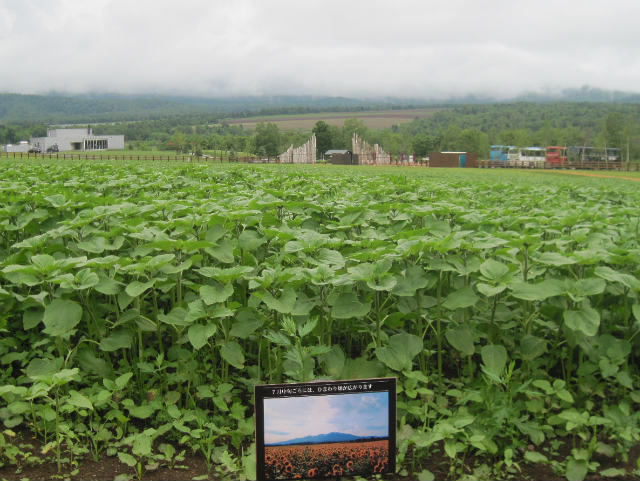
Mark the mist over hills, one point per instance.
(332, 437)
(98, 107)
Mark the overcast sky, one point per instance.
(358, 48)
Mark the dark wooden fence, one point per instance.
(123, 156)
(622, 166)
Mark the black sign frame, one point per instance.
(324, 388)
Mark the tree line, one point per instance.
(465, 128)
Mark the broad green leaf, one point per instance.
(61, 316)
(585, 320)
(494, 358)
(223, 252)
(334, 362)
(536, 292)
(331, 258)
(532, 347)
(177, 317)
(215, 294)
(245, 324)
(535, 457)
(142, 412)
(32, 318)
(285, 304)
(588, 287)
(611, 275)
(489, 290)
(135, 288)
(232, 353)
(493, 270)
(199, 335)
(576, 469)
(127, 459)
(78, 400)
(461, 298)
(141, 445)
(250, 240)
(347, 306)
(122, 381)
(461, 339)
(118, 339)
(554, 259)
(400, 351)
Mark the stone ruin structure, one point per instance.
(367, 154)
(305, 154)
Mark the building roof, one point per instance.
(334, 151)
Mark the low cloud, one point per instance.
(248, 47)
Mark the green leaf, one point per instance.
(611, 275)
(78, 400)
(554, 259)
(250, 240)
(489, 290)
(536, 292)
(461, 339)
(61, 316)
(426, 475)
(331, 258)
(347, 306)
(199, 335)
(494, 358)
(232, 353)
(585, 320)
(532, 347)
(399, 353)
(535, 457)
(223, 252)
(461, 298)
(245, 324)
(285, 304)
(122, 381)
(613, 473)
(142, 412)
(576, 469)
(107, 286)
(127, 459)
(493, 270)
(119, 339)
(177, 317)
(136, 288)
(215, 294)
(141, 445)
(31, 318)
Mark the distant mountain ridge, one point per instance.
(332, 437)
(57, 108)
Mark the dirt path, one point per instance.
(589, 174)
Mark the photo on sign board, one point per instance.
(325, 429)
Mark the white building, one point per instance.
(76, 139)
(23, 147)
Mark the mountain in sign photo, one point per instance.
(323, 438)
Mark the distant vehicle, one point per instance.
(500, 153)
(53, 149)
(591, 154)
(556, 155)
(35, 150)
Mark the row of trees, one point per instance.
(467, 128)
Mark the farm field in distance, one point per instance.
(326, 459)
(373, 119)
(140, 303)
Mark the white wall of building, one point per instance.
(78, 140)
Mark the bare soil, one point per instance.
(107, 468)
